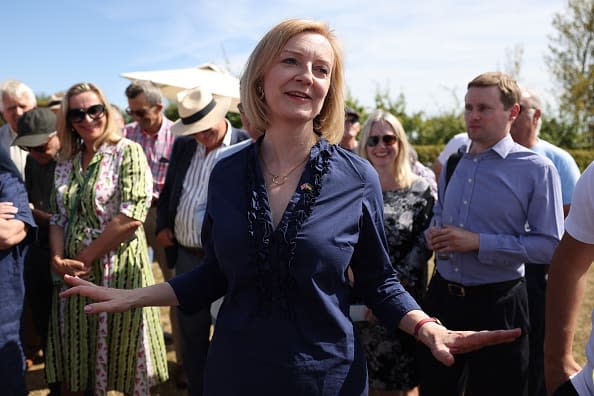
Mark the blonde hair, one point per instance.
(404, 175)
(330, 122)
(70, 141)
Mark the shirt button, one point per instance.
(475, 160)
(469, 180)
(465, 202)
(461, 225)
(456, 269)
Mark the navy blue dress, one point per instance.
(284, 326)
(12, 289)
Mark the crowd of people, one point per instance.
(293, 221)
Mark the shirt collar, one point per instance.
(504, 146)
(501, 148)
(227, 138)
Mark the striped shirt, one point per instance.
(192, 201)
(157, 148)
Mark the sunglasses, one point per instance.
(78, 115)
(138, 113)
(351, 119)
(388, 140)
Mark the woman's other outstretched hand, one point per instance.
(108, 299)
(444, 343)
(119, 300)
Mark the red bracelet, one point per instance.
(423, 322)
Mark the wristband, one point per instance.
(423, 322)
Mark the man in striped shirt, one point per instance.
(152, 130)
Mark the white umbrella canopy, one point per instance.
(208, 76)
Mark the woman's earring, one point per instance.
(260, 92)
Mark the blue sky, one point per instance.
(428, 50)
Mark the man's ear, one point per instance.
(514, 111)
(537, 114)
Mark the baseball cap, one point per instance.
(35, 127)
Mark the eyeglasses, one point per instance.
(78, 115)
(388, 140)
(138, 113)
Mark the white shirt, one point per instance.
(192, 202)
(452, 146)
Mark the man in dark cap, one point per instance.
(351, 130)
(37, 135)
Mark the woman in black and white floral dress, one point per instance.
(408, 204)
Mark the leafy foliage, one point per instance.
(571, 61)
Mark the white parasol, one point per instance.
(208, 76)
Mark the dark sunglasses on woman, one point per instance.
(388, 140)
(78, 115)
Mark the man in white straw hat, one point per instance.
(204, 133)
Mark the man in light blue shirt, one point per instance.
(502, 208)
(525, 131)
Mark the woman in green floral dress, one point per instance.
(102, 195)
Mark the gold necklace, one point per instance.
(279, 180)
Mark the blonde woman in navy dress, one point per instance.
(279, 240)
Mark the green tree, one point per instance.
(412, 123)
(171, 111)
(571, 61)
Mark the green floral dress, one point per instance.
(123, 351)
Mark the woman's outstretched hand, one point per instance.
(444, 343)
(108, 300)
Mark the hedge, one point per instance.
(428, 154)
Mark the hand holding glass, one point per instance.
(436, 222)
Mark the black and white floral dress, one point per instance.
(390, 352)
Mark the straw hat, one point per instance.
(199, 110)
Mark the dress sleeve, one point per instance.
(419, 253)
(136, 183)
(59, 216)
(376, 280)
(196, 289)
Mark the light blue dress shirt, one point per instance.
(569, 172)
(511, 196)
